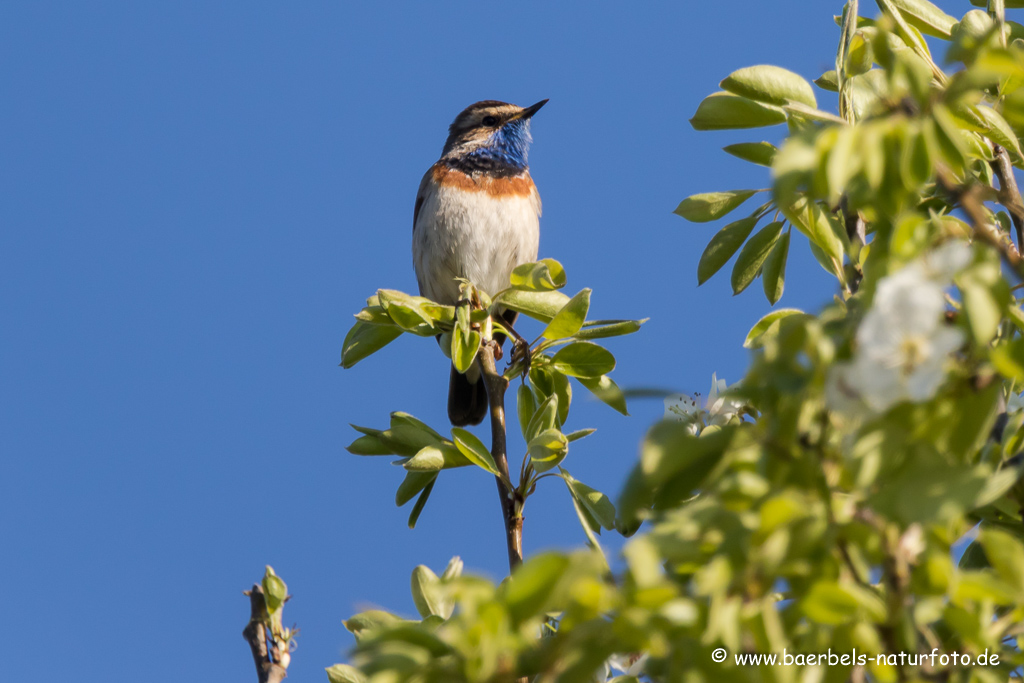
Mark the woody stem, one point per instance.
(511, 510)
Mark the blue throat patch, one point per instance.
(503, 155)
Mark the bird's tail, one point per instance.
(467, 394)
(467, 398)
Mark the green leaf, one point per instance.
(471, 447)
(541, 306)
(407, 647)
(828, 81)
(989, 122)
(922, 492)
(400, 420)
(583, 359)
(426, 594)
(369, 444)
(579, 434)
(1015, 315)
(370, 621)
(421, 502)
(406, 311)
(961, 430)
(546, 417)
(860, 56)
(753, 255)
(908, 34)
(765, 325)
(984, 295)
(1006, 555)
(799, 113)
(946, 134)
(374, 314)
(868, 92)
(275, 592)
(1009, 360)
(526, 406)
(813, 221)
(760, 153)
(672, 459)
(569, 320)
(843, 160)
(596, 503)
(527, 591)
(365, 339)
(601, 329)
(829, 603)
(434, 458)
(1008, 4)
(546, 381)
(407, 435)
(774, 275)
(544, 275)
(915, 162)
(722, 246)
(413, 483)
(428, 459)
(770, 84)
(591, 527)
(547, 449)
(702, 208)
(343, 673)
(1000, 132)
(607, 391)
(464, 348)
(926, 17)
(724, 111)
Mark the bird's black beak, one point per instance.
(530, 111)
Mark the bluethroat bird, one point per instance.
(477, 217)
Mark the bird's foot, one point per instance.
(521, 353)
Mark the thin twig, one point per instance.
(1009, 195)
(255, 633)
(972, 199)
(511, 507)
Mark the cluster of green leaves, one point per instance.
(566, 348)
(853, 520)
(805, 528)
(495, 631)
(912, 121)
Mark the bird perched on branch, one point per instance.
(477, 217)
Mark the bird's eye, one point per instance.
(490, 120)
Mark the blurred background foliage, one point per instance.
(860, 488)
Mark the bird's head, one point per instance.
(492, 129)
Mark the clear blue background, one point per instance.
(195, 199)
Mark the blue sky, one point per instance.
(197, 197)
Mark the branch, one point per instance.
(255, 633)
(972, 199)
(1009, 195)
(511, 507)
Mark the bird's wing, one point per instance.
(421, 195)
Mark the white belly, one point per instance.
(472, 235)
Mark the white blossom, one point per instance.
(719, 408)
(903, 344)
(946, 260)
